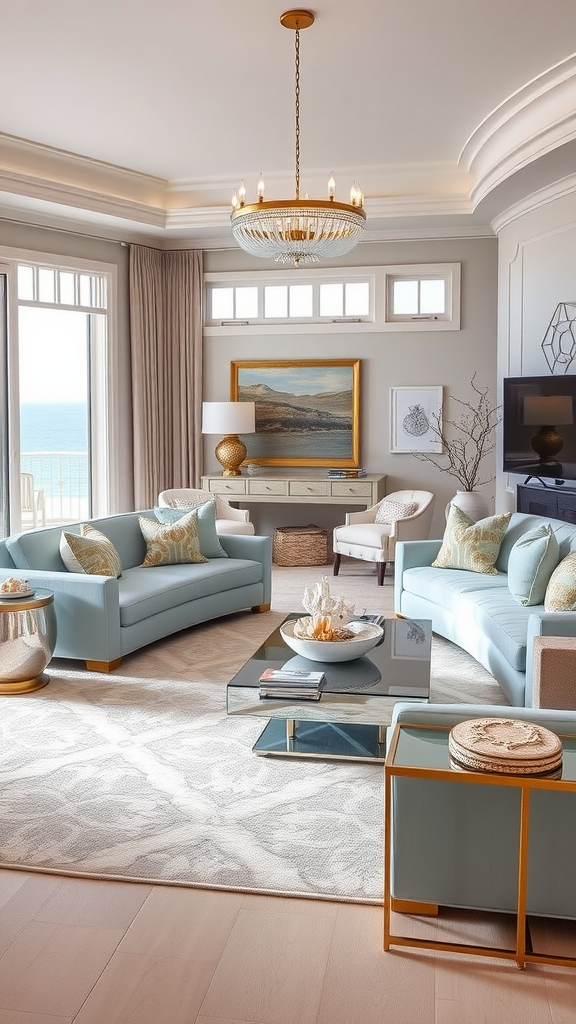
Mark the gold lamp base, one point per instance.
(231, 452)
(547, 443)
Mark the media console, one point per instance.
(551, 501)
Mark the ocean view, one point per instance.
(51, 427)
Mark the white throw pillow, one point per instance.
(193, 500)
(390, 511)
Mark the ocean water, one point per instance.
(52, 427)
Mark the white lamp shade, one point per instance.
(548, 410)
(228, 418)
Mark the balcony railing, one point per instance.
(61, 486)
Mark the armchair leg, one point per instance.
(381, 567)
(336, 564)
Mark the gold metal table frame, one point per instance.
(520, 954)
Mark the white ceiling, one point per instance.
(142, 116)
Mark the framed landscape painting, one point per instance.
(413, 412)
(307, 411)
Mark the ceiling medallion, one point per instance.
(298, 231)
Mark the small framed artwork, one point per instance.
(412, 640)
(414, 412)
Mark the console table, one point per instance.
(298, 489)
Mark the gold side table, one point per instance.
(27, 641)
(422, 752)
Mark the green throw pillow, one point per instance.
(561, 591)
(90, 552)
(470, 545)
(173, 543)
(210, 545)
(531, 563)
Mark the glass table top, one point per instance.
(420, 747)
(398, 668)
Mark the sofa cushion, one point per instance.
(483, 601)
(531, 563)
(470, 545)
(210, 546)
(171, 543)
(561, 590)
(144, 592)
(89, 552)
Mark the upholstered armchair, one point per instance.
(372, 534)
(228, 518)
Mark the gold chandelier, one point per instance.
(298, 231)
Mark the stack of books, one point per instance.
(345, 474)
(293, 684)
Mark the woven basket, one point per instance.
(300, 545)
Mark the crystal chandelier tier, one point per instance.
(298, 231)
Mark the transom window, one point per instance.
(317, 301)
(393, 298)
(61, 287)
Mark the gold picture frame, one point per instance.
(307, 410)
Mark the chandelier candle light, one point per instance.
(298, 231)
(230, 419)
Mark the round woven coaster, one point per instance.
(505, 745)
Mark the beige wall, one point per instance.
(64, 243)
(537, 256)
(447, 358)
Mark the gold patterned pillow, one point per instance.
(560, 593)
(470, 545)
(171, 543)
(90, 552)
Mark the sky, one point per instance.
(53, 355)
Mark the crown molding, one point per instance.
(557, 190)
(533, 121)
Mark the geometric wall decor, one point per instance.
(559, 342)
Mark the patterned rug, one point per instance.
(141, 775)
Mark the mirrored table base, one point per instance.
(322, 740)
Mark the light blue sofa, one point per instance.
(455, 844)
(477, 611)
(100, 618)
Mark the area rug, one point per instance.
(140, 775)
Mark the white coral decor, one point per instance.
(320, 605)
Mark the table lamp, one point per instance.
(230, 419)
(547, 412)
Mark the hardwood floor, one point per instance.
(100, 952)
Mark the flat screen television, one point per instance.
(539, 427)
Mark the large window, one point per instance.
(393, 298)
(59, 383)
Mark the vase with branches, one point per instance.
(467, 440)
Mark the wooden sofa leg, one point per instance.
(103, 666)
(260, 608)
(414, 907)
(336, 564)
(381, 567)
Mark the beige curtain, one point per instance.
(166, 348)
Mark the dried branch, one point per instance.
(467, 441)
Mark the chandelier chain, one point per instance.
(297, 110)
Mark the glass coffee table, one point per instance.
(350, 719)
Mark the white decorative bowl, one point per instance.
(367, 636)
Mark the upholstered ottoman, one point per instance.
(554, 672)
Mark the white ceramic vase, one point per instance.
(472, 503)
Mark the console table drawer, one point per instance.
(228, 485)
(345, 488)
(263, 486)
(306, 488)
